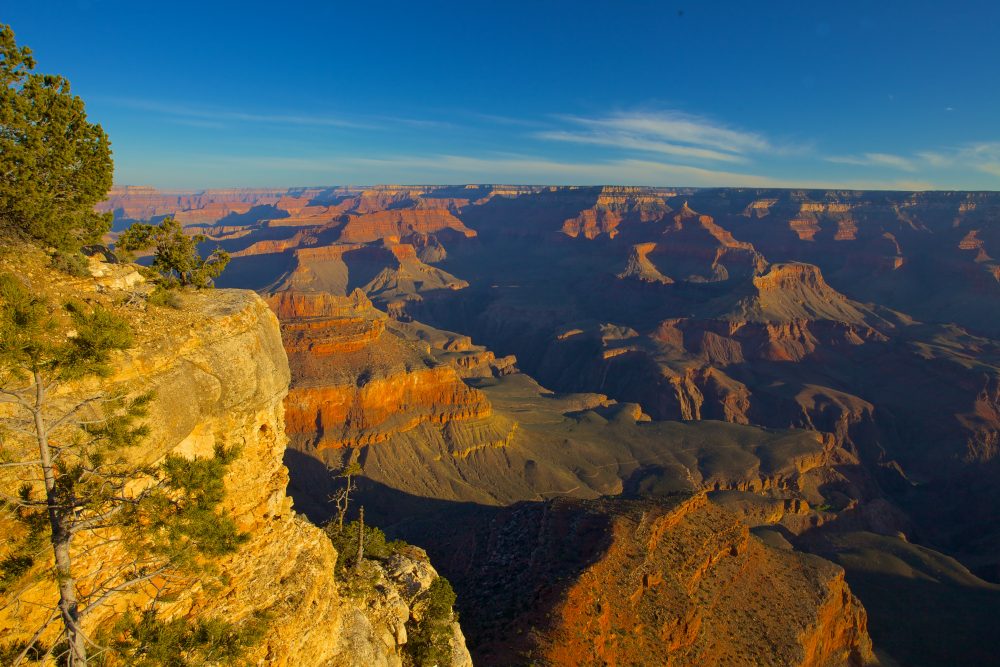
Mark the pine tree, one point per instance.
(175, 254)
(54, 164)
(71, 446)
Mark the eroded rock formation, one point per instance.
(866, 321)
(678, 582)
(357, 383)
(219, 375)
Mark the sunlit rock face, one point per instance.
(357, 383)
(680, 582)
(219, 375)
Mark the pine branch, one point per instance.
(123, 586)
(34, 638)
(21, 463)
(76, 408)
(93, 523)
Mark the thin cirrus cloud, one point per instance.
(669, 133)
(627, 171)
(217, 117)
(983, 156)
(504, 167)
(875, 160)
(636, 147)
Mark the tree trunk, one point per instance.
(68, 605)
(343, 502)
(59, 518)
(361, 540)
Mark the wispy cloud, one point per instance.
(630, 142)
(497, 119)
(517, 168)
(876, 160)
(990, 168)
(667, 132)
(216, 117)
(221, 116)
(936, 159)
(477, 168)
(983, 156)
(637, 147)
(944, 164)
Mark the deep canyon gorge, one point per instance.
(693, 426)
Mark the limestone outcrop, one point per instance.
(219, 375)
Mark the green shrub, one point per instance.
(345, 542)
(165, 298)
(143, 640)
(440, 599)
(73, 263)
(429, 639)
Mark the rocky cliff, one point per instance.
(678, 581)
(357, 383)
(219, 375)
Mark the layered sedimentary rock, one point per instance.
(869, 319)
(614, 206)
(210, 206)
(692, 247)
(355, 382)
(398, 223)
(691, 367)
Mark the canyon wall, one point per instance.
(219, 375)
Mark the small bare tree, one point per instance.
(341, 498)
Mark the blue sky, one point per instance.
(888, 94)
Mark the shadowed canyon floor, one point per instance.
(680, 398)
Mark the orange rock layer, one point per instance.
(353, 382)
(345, 415)
(690, 586)
(399, 223)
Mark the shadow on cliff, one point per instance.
(400, 514)
(253, 215)
(509, 565)
(255, 272)
(924, 608)
(927, 623)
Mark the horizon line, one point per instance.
(364, 186)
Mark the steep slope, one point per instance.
(674, 582)
(219, 375)
(791, 292)
(641, 267)
(692, 248)
(614, 207)
(357, 383)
